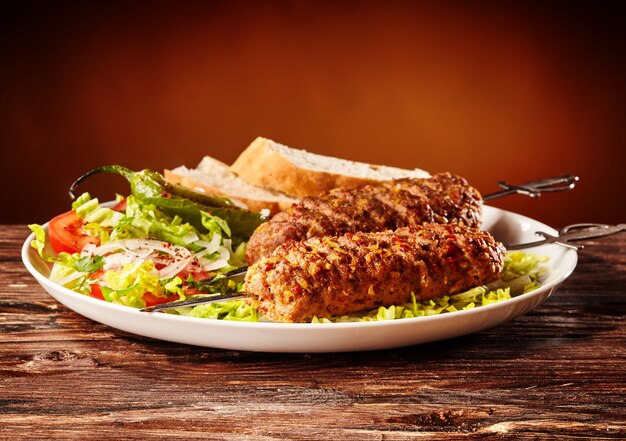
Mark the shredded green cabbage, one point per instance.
(232, 310)
(521, 274)
(128, 285)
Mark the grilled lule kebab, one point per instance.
(444, 198)
(333, 276)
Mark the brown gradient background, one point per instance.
(489, 90)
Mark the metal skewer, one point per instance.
(535, 188)
(570, 233)
(193, 302)
(229, 275)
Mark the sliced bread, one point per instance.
(300, 173)
(214, 177)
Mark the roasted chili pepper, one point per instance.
(150, 187)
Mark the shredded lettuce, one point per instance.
(93, 213)
(81, 200)
(521, 274)
(39, 243)
(128, 285)
(142, 221)
(519, 263)
(128, 297)
(89, 264)
(237, 310)
(215, 224)
(68, 277)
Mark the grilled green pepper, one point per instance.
(150, 187)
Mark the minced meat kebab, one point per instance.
(333, 276)
(389, 205)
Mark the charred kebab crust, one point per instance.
(389, 205)
(333, 276)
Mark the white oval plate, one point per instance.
(319, 337)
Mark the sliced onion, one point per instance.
(135, 245)
(224, 254)
(190, 238)
(88, 250)
(173, 269)
(209, 247)
(136, 251)
(141, 249)
(141, 253)
(70, 278)
(213, 265)
(228, 244)
(108, 247)
(116, 260)
(130, 270)
(180, 262)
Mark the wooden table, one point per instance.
(558, 372)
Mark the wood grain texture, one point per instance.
(558, 372)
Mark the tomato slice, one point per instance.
(66, 233)
(193, 291)
(120, 206)
(96, 291)
(152, 300)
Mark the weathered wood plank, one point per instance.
(558, 372)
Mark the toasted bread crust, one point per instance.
(261, 165)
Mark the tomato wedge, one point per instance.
(152, 300)
(120, 206)
(66, 233)
(96, 291)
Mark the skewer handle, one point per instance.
(193, 302)
(572, 233)
(535, 188)
(229, 275)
